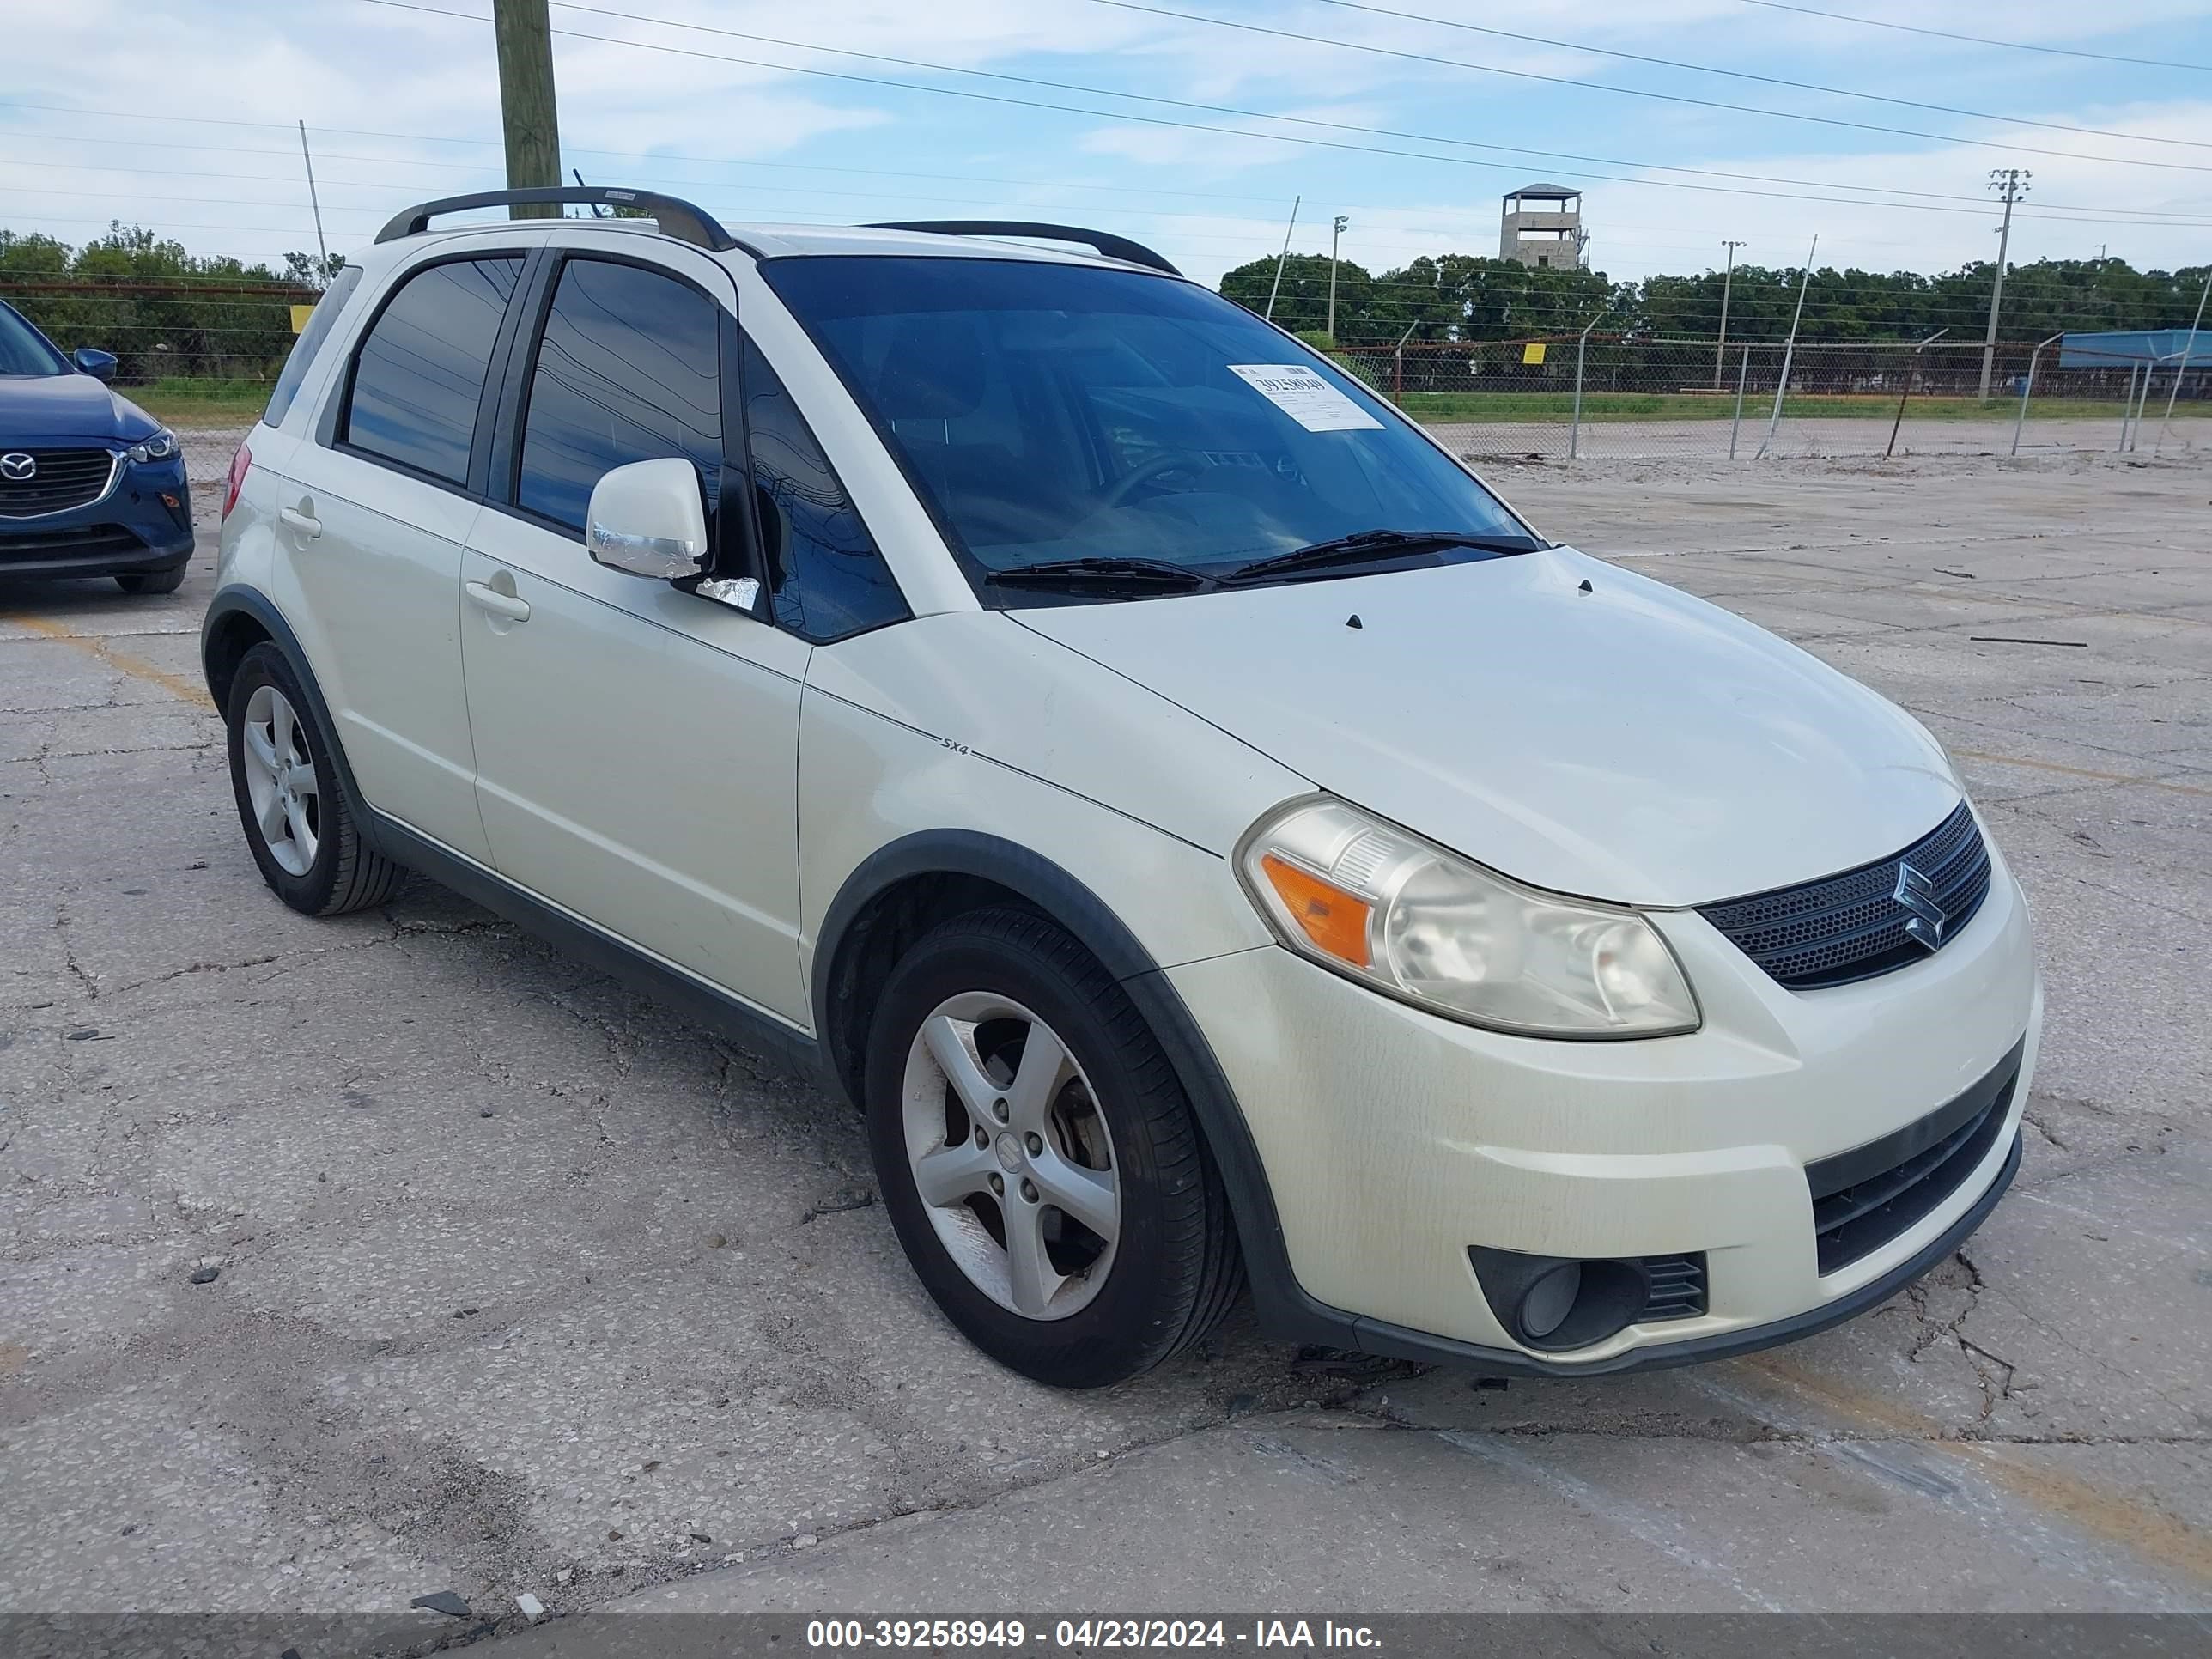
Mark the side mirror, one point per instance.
(648, 520)
(90, 360)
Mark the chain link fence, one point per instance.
(1572, 397)
(208, 451)
(167, 329)
(1605, 397)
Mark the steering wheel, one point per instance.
(1168, 461)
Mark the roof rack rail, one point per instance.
(1104, 242)
(676, 217)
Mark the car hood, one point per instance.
(1629, 743)
(40, 408)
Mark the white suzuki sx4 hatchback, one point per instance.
(1214, 840)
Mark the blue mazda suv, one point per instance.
(90, 484)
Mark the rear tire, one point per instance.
(1006, 1069)
(298, 823)
(152, 581)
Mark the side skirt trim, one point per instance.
(705, 1004)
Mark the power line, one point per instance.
(1627, 57)
(1255, 28)
(1980, 40)
(2150, 218)
(1138, 118)
(573, 148)
(2145, 215)
(381, 213)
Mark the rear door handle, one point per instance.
(488, 598)
(306, 524)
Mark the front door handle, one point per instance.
(488, 598)
(306, 524)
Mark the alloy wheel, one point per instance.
(280, 781)
(1011, 1156)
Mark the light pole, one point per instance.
(2013, 181)
(2188, 351)
(1336, 229)
(1282, 259)
(1728, 279)
(1789, 350)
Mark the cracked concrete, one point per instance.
(523, 1286)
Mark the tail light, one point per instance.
(239, 465)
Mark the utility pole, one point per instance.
(2013, 182)
(527, 111)
(1728, 279)
(1282, 258)
(322, 249)
(1336, 230)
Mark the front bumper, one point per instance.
(131, 527)
(1395, 1141)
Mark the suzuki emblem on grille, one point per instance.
(17, 467)
(1917, 894)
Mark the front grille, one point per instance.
(80, 538)
(61, 479)
(1864, 1198)
(1677, 1287)
(1854, 926)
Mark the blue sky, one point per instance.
(1414, 149)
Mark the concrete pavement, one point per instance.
(523, 1287)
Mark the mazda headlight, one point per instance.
(1390, 909)
(159, 447)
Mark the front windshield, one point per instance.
(24, 350)
(1049, 412)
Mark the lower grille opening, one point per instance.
(1864, 1198)
(81, 538)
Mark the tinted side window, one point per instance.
(628, 371)
(827, 579)
(420, 373)
(310, 342)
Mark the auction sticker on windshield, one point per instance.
(1303, 396)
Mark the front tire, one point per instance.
(152, 581)
(1038, 1157)
(298, 823)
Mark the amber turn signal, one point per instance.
(1335, 920)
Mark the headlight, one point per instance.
(1384, 907)
(159, 447)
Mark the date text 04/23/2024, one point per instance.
(1093, 1635)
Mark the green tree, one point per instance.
(1302, 305)
(161, 310)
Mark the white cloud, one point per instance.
(386, 71)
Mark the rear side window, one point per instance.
(827, 579)
(320, 323)
(627, 370)
(421, 372)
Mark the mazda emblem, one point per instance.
(17, 467)
(1918, 895)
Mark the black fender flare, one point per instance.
(238, 599)
(1282, 1305)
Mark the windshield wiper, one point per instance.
(1368, 546)
(1102, 572)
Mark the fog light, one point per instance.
(1548, 1302)
(1553, 1304)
